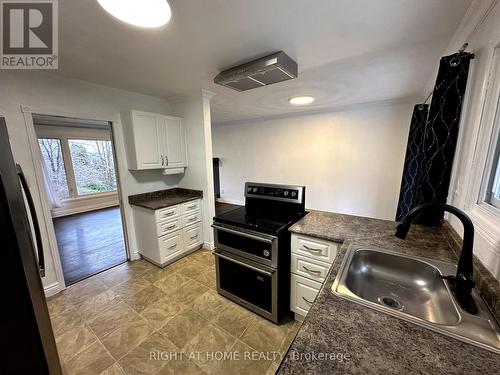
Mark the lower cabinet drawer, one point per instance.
(193, 235)
(167, 213)
(191, 218)
(309, 268)
(314, 248)
(303, 293)
(170, 245)
(170, 226)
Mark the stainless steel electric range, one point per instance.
(253, 248)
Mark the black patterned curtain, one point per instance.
(432, 142)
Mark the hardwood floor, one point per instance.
(90, 243)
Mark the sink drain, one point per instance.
(391, 302)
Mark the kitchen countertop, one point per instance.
(156, 200)
(365, 341)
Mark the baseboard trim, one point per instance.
(231, 201)
(53, 289)
(208, 245)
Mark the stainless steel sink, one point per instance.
(409, 287)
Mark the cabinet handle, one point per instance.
(172, 247)
(162, 161)
(311, 249)
(313, 272)
(192, 218)
(192, 206)
(166, 157)
(170, 227)
(305, 299)
(192, 238)
(169, 213)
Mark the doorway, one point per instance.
(79, 171)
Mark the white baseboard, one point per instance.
(208, 245)
(53, 289)
(231, 201)
(134, 255)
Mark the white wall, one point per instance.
(480, 28)
(53, 95)
(195, 110)
(349, 161)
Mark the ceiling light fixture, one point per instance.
(301, 100)
(142, 13)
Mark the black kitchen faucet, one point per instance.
(462, 283)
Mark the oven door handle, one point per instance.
(267, 273)
(269, 239)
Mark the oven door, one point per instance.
(256, 246)
(248, 283)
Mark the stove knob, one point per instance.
(294, 194)
(266, 253)
(254, 190)
(285, 193)
(249, 189)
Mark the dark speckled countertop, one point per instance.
(156, 200)
(377, 343)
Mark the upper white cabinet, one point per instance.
(155, 141)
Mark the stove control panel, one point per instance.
(275, 192)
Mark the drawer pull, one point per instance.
(192, 238)
(170, 227)
(311, 249)
(167, 214)
(192, 218)
(172, 247)
(312, 272)
(305, 299)
(191, 207)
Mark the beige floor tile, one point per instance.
(207, 343)
(174, 267)
(170, 284)
(190, 269)
(107, 321)
(246, 361)
(273, 368)
(66, 321)
(58, 304)
(181, 367)
(182, 327)
(234, 319)
(189, 291)
(146, 297)
(204, 257)
(209, 304)
(127, 337)
(92, 360)
(84, 290)
(264, 335)
(207, 277)
(74, 341)
(160, 312)
(155, 274)
(116, 276)
(114, 369)
(94, 305)
(140, 266)
(139, 361)
(131, 287)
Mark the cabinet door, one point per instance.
(148, 140)
(174, 143)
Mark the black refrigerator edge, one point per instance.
(28, 344)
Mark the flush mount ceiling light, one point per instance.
(301, 100)
(142, 13)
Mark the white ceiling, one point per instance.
(348, 51)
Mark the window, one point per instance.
(93, 166)
(493, 192)
(79, 161)
(54, 162)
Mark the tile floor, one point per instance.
(140, 319)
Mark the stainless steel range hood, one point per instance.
(257, 73)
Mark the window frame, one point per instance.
(65, 134)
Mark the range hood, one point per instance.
(257, 73)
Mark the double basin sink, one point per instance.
(409, 287)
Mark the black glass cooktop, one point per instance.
(270, 222)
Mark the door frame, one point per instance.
(34, 149)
